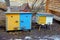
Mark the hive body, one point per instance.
(44, 18)
(25, 21)
(18, 21)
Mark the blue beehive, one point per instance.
(25, 20)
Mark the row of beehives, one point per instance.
(23, 20)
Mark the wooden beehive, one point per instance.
(18, 21)
(44, 18)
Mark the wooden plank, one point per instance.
(53, 5)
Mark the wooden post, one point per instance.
(39, 28)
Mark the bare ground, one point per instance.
(35, 34)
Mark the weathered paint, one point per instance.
(25, 21)
(12, 21)
(42, 20)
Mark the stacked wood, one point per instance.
(3, 6)
(55, 12)
(53, 6)
(2, 16)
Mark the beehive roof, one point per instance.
(44, 14)
(16, 12)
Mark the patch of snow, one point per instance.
(28, 38)
(42, 39)
(55, 37)
(18, 39)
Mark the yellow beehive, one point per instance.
(12, 21)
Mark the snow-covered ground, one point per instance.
(53, 37)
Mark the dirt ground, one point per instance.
(43, 34)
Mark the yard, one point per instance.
(44, 34)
